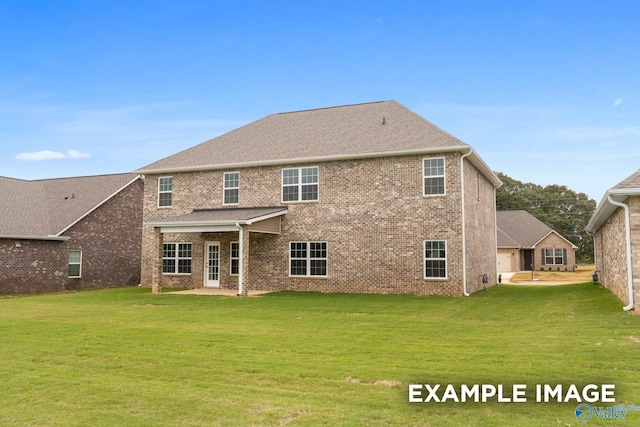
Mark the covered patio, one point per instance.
(203, 222)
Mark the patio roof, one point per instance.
(220, 220)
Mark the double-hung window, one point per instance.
(435, 259)
(75, 263)
(176, 258)
(231, 188)
(554, 256)
(300, 184)
(165, 191)
(308, 259)
(433, 174)
(235, 258)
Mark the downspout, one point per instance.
(240, 260)
(495, 228)
(627, 222)
(464, 231)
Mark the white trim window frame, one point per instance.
(165, 191)
(300, 184)
(435, 259)
(177, 258)
(434, 176)
(234, 258)
(308, 259)
(231, 188)
(75, 264)
(556, 256)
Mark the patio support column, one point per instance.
(243, 276)
(156, 282)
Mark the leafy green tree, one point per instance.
(561, 208)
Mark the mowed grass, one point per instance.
(126, 357)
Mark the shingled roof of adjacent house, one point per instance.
(520, 229)
(44, 209)
(373, 129)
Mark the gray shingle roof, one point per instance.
(45, 208)
(224, 215)
(519, 227)
(371, 128)
(632, 181)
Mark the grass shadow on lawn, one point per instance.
(129, 357)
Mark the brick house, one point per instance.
(526, 243)
(367, 198)
(615, 226)
(70, 233)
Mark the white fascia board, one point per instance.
(297, 160)
(606, 209)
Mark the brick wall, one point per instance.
(111, 241)
(480, 229)
(611, 253)
(32, 266)
(371, 213)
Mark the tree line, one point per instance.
(559, 207)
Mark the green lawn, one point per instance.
(128, 357)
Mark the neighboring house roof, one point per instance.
(619, 193)
(367, 130)
(45, 209)
(518, 228)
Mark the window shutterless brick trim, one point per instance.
(177, 257)
(435, 259)
(234, 258)
(165, 191)
(434, 181)
(300, 184)
(75, 263)
(231, 188)
(308, 259)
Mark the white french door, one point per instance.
(212, 264)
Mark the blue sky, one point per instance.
(545, 91)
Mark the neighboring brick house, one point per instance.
(526, 243)
(367, 198)
(616, 228)
(70, 233)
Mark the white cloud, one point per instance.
(52, 155)
(617, 102)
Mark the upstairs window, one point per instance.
(300, 184)
(231, 188)
(75, 263)
(165, 191)
(433, 173)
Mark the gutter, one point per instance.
(627, 221)
(464, 231)
(26, 237)
(240, 253)
(476, 160)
